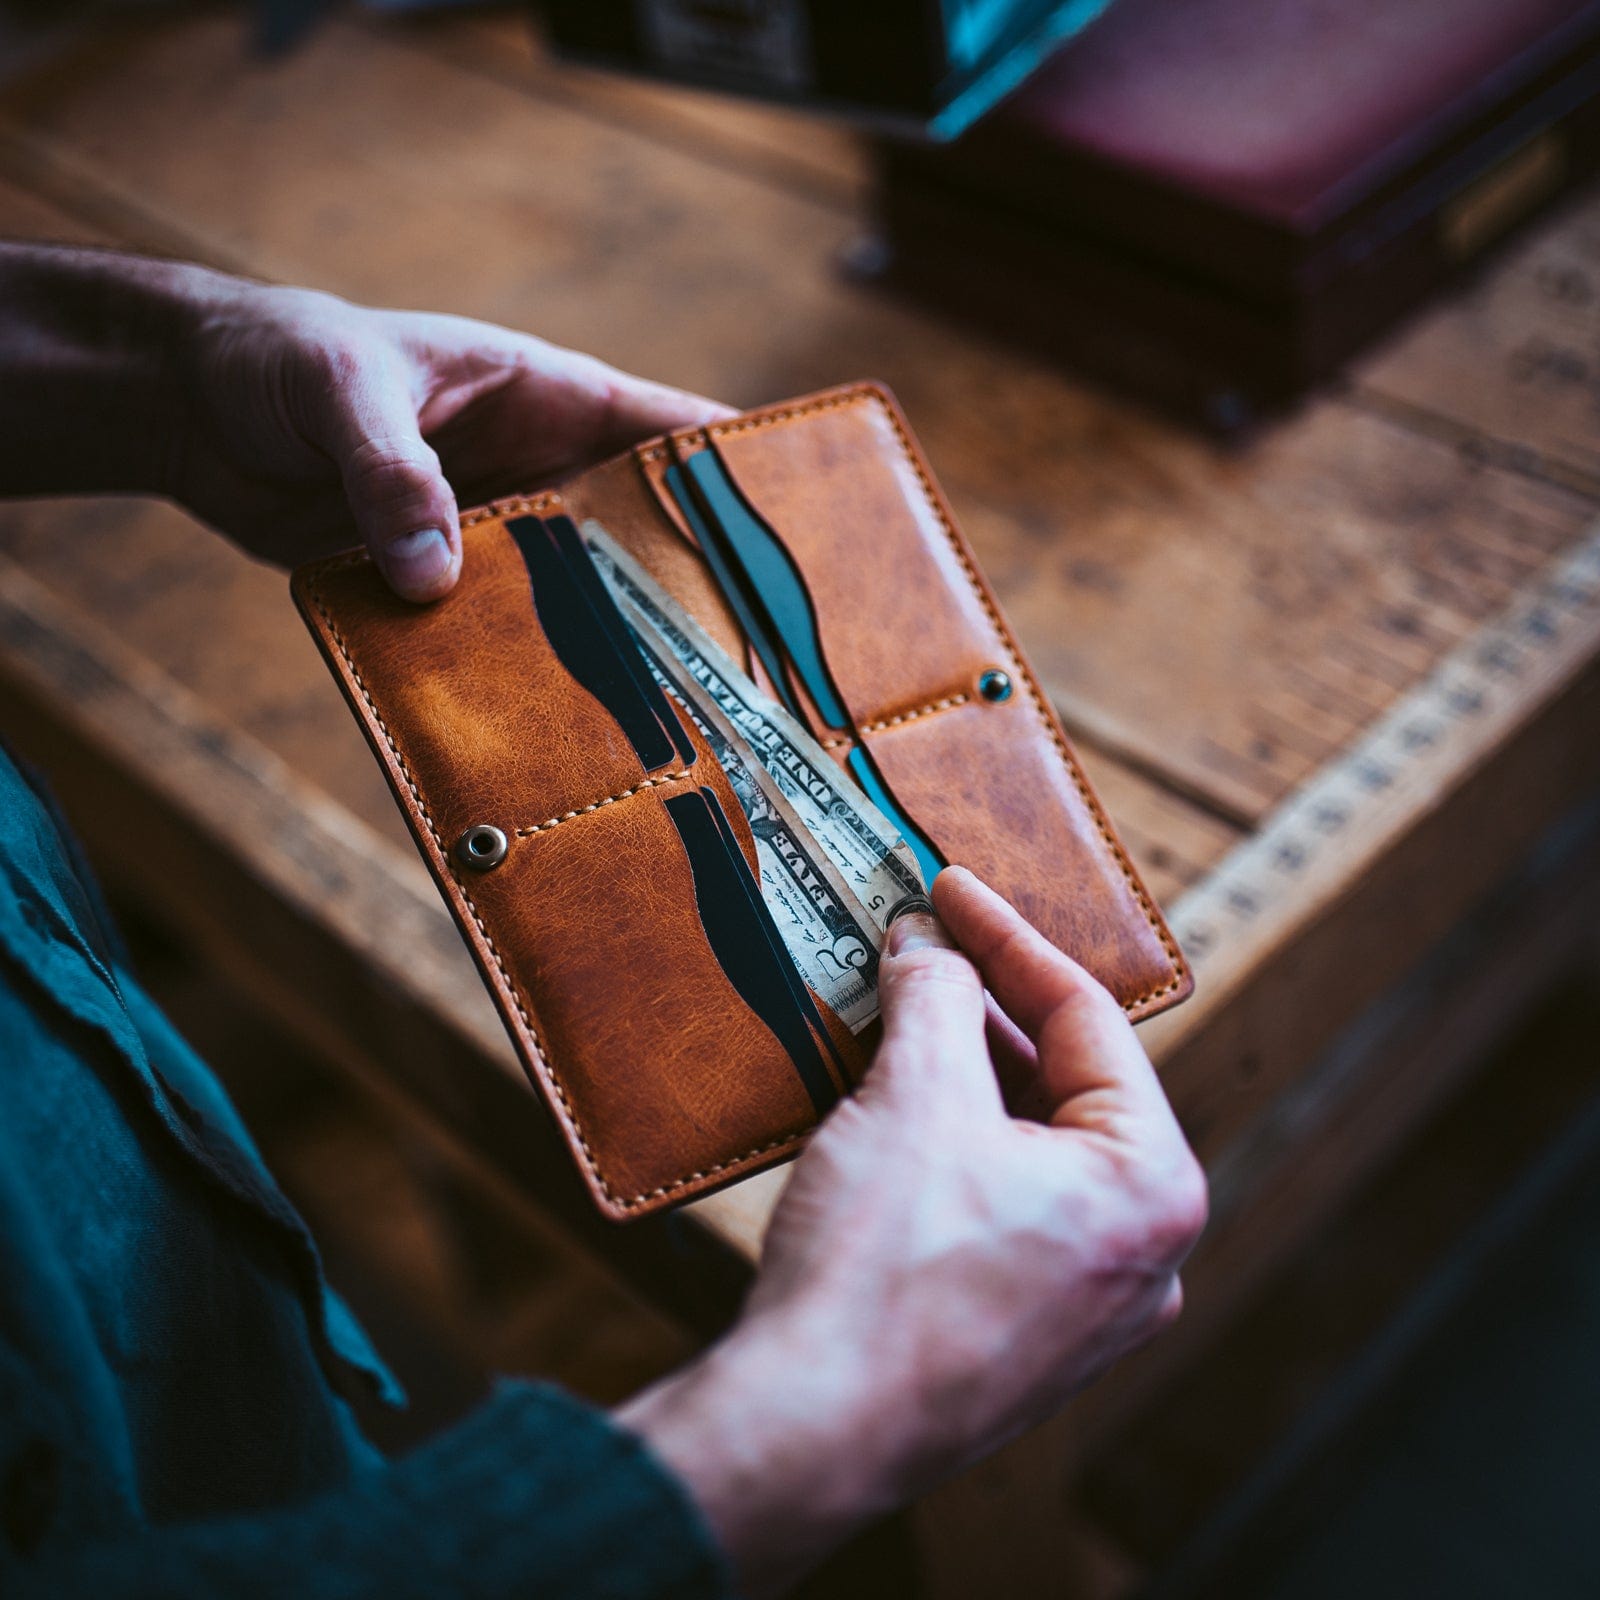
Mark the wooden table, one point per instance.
(1335, 685)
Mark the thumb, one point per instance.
(402, 506)
(934, 1018)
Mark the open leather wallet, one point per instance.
(590, 841)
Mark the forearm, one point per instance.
(783, 1443)
(91, 346)
(533, 1495)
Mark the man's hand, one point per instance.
(939, 1274)
(292, 421)
(308, 413)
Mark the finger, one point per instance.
(932, 1006)
(1084, 1041)
(402, 505)
(1016, 1063)
(640, 408)
(1171, 1307)
(1021, 967)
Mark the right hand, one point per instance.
(941, 1274)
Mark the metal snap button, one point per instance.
(481, 847)
(995, 685)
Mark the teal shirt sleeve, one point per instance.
(173, 1366)
(534, 1496)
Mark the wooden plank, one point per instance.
(26, 215)
(220, 626)
(1515, 359)
(1221, 622)
(1006, 1524)
(1400, 834)
(1232, 622)
(814, 155)
(1301, 1367)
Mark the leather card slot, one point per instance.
(604, 663)
(748, 946)
(655, 458)
(474, 712)
(618, 632)
(806, 1003)
(750, 555)
(736, 592)
(627, 498)
(767, 592)
(900, 616)
(644, 995)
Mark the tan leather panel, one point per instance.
(653, 458)
(666, 1079)
(900, 621)
(988, 784)
(477, 702)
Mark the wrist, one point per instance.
(777, 1434)
(97, 345)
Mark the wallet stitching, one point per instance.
(515, 505)
(949, 702)
(856, 396)
(610, 800)
(546, 1071)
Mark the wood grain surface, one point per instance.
(1227, 632)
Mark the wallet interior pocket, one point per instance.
(618, 921)
(652, 998)
(898, 655)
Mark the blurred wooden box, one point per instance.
(929, 66)
(1217, 204)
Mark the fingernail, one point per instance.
(415, 563)
(916, 929)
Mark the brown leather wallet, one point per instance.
(601, 879)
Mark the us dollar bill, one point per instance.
(833, 942)
(874, 860)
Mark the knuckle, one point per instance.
(931, 971)
(1178, 1204)
(1161, 1211)
(391, 474)
(1085, 1004)
(337, 360)
(1170, 1309)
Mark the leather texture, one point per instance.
(664, 1080)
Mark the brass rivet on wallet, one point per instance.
(481, 847)
(995, 685)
